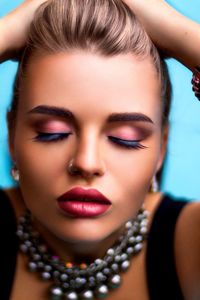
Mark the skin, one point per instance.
(178, 43)
(105, 86)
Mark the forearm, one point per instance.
(175, 34)
(14, 28)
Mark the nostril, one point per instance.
(73, 170)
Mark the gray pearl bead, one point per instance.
(111, 251)
(20, 233)
(115, 267)
(63, 277)
(144, 222)
(143, 230)
(106, 271)
(36, 257)
(128, 224)
(56, 291)
(22, 220)
(102, 291)
(117, 258)
(115, 281)
(138, 247)
(92, 279)
(83, 281)
(91, 284)
(47, 268)
(28, 243)
(124, 256)
(71, 296)
(46, 275)
(132, 240)
(65, 285)
(78, 282)
(42, 248)
(40, 264)
(56, 274)
(100, 276)
(125, 265)
(32, 266)
(69, 271)
(129, 250)
(24, 248)
(140, 217)
(87, 295)
(138, 239)
(98, 261)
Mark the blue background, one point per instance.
(182, 164)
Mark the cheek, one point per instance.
(134, 171)
(40, 164)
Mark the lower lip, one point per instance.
(83, 209)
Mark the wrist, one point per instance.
(3, 37)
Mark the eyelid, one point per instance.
(51, 126)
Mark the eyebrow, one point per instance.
(120, 117)
(65, 113)
(53, 111)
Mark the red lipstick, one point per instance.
(84, 203)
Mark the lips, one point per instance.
(79, 202)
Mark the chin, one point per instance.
(87, 233)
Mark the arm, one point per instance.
(14, 28)
(176, 35)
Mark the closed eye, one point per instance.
(130, 144)
(51, 137)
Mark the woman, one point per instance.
(87, 134)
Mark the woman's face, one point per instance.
(85, 109)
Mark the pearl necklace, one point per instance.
(74, 282)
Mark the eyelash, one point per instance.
(127, 143)
(51, 137)
(56, 137)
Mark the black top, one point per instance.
(8, 247)
(161, 272)
(162, 277)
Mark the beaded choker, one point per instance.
(74, 282)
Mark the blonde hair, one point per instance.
(104, 27)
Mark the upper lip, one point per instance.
(87, 195)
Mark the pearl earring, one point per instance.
(15, 173)
(154, 185)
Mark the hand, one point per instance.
(14, 27)
(176, 35)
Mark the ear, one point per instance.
(164, 140)
(11, 133)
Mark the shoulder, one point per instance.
(187, 250)
(186, 238)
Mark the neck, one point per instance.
(78, 251)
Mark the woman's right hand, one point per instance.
(14, 28)
(173, 33)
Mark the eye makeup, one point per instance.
(125, 135)
(130, 144)
(52, 126)
(51, 137)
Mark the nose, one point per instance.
(87, 160)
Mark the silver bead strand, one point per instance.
(98, 277)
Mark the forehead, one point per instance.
(91, 82)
